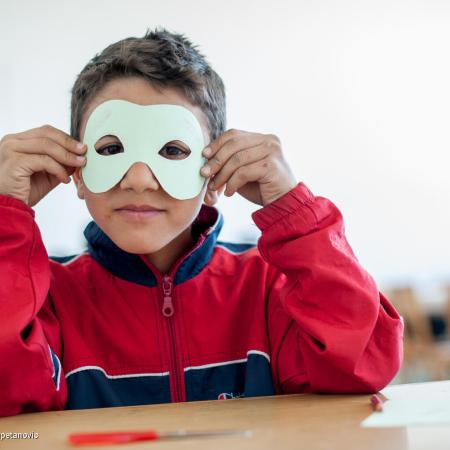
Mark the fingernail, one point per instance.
(80, 146)
(206, 170)
(80, 158)
(207, 151)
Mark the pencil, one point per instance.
(377, 403)
(122, 437)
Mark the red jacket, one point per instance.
(295, 314)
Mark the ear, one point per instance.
(78, 180)
(211, 197)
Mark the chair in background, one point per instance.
(424, 359)
(447, 308)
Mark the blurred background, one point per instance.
(357, 91)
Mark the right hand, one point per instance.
(34, 162)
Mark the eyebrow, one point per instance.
(108, 135)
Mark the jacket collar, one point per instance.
(131, 267)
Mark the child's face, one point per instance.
(139, 186)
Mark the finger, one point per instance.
(47, 146)
(57, 135)
(214, 145)
(212, 196)
(238, 159)
(39, 163)
(246, 174)
(226, 144)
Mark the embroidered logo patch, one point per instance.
(228, 396)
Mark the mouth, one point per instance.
(139, 212)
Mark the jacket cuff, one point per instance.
(296, 198)
(6, 200)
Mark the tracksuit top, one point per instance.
(294, 313)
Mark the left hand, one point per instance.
(251, 164)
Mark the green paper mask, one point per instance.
(143, 132)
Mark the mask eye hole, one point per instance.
(108, 145)
(175, 150)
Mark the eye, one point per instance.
(111, 149)
(108, 145)
(172, 151)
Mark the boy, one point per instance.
(157, 309)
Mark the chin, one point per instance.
(139, 247)
(138, 242)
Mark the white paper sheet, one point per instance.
(428, 405)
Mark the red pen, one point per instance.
(123, 437)
(377, 403)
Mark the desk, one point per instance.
(305, 421)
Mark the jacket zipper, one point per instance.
(168, 311)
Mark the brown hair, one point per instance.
(165, 59)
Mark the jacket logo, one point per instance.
(228, 396)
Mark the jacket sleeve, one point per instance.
(330, 329)
(31, 377)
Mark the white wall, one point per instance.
(358, 92)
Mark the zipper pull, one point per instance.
(167, 308)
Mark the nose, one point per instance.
(139, 178)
